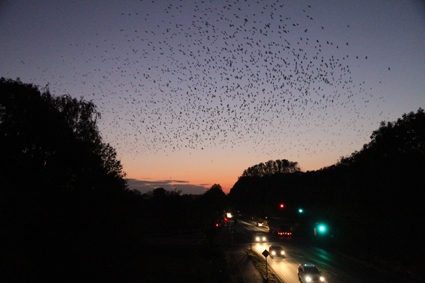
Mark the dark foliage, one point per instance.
(65, 208)
(213, 203)
(53, 141)
(271, 167)
(168, 212)
(186, 264)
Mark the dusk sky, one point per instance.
(192, 93)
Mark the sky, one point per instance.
(192, 93)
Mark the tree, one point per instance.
(213, 203)
(53, 141)
(405, 136)
(271, 167)
(258, 184)
(64, 205)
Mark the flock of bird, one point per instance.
(206, 74)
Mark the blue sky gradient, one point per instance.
(194, 92)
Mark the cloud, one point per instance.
(145, 186)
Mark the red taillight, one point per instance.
(216, 224)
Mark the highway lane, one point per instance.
(334, 267)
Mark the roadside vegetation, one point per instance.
(259, 263)
(188, 263)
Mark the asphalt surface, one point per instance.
(334, 267)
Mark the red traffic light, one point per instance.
(281, 205)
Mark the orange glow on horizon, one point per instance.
(200, 175)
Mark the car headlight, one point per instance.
(273, 252)
(322, 279)
(308, 279)
(264, 238)
(282, 252)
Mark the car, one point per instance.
(309, 273)
(276, 250)
(260, 237)
(260, 223)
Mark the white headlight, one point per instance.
(308, 279)
(258, 238)
(273, 252)
(282, 252)
(264, 238)
(322, 278)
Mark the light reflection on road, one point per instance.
(334, 267)
(285, 268)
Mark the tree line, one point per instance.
(66, 212)
(372, 199)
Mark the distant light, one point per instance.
(300, 210)
(229, 215)
(282, 205)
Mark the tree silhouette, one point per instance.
(271, 167)
(53, 141)
(213, 203)
(212, 206)
(65, 209)
(260, 187)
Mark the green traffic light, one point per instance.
(322, 228)
(300, 210)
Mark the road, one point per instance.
(334, 267)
